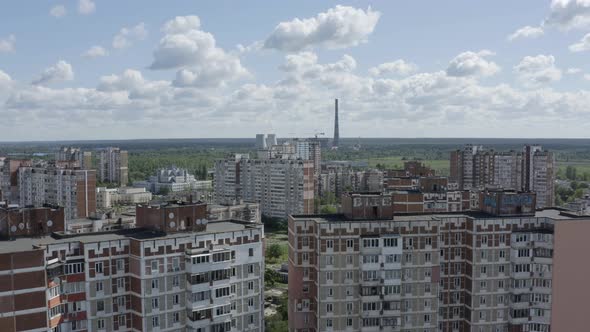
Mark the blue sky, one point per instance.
(175, 68)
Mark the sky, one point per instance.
(106, 69)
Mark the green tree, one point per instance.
(328, 209)
(270, 277)
(275, 251)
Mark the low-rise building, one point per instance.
(173, 180)
(109, 197)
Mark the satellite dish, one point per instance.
(13, 228)
(172, 224)
(21, 226)
(49, 223)
(204, 221)
(171, 215)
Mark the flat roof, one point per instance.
(20, 244)
(552, 213)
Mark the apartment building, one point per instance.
(113, 166)
(9, 178)
(69, 153)
(338, 179)
(177, 272)
(74, 189)
(281, 186)
(365, 270)
(532, 169)
(109, 197)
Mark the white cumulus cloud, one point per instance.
(195, 54)
(95, 52)
(397, 67)
(582, 45)
(58, 11)
(537, 70)
(472, 64)
(569, 14)
(339, 27)
(526, 32)
(61, 71)
(127, 36)
(7, 44)
(86, 7)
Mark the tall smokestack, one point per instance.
(336, 130)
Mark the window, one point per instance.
(328, 323)
(329, 276)
(221, 292)
(121, 320)
(305, 257)
(349, 259)
(54, 291)
(305, 241)
(330, 244)
(120, 282)
(99, 286)
(155, 303)
(74, 268)
(350, 243)
(155, 284)
(154, 265)
(175, 281)
(175, 264)
(370, 243)
(349, 307)
(75, 306)
(329, 307)
(251, 252)
(100, 324)
(155, 321)
(121, 301)
(349, 322)
(330, 292)
(98, 267)
(329, 260)
(175, 299)
(176, 317)
(251, 285)
(251, 302)
(390, 242)
(100, 305)
(120, 265)
(250, 268)
(57, 310)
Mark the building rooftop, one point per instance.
(553, 213)
(28, 243)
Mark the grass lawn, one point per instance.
(440, 166)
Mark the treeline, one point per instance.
(144, 164)
(572, 173)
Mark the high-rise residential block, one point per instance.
(68, 153)
(365, 270)
(114, 166)
(73, 189)
(178, 272)
(533, 169)
(281, 186)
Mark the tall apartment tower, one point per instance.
(336, 140)
(176, 272)
(532, 169)
(73, 189)
(83, 158)
(369, 270)
(281, 186)
(114, 166)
